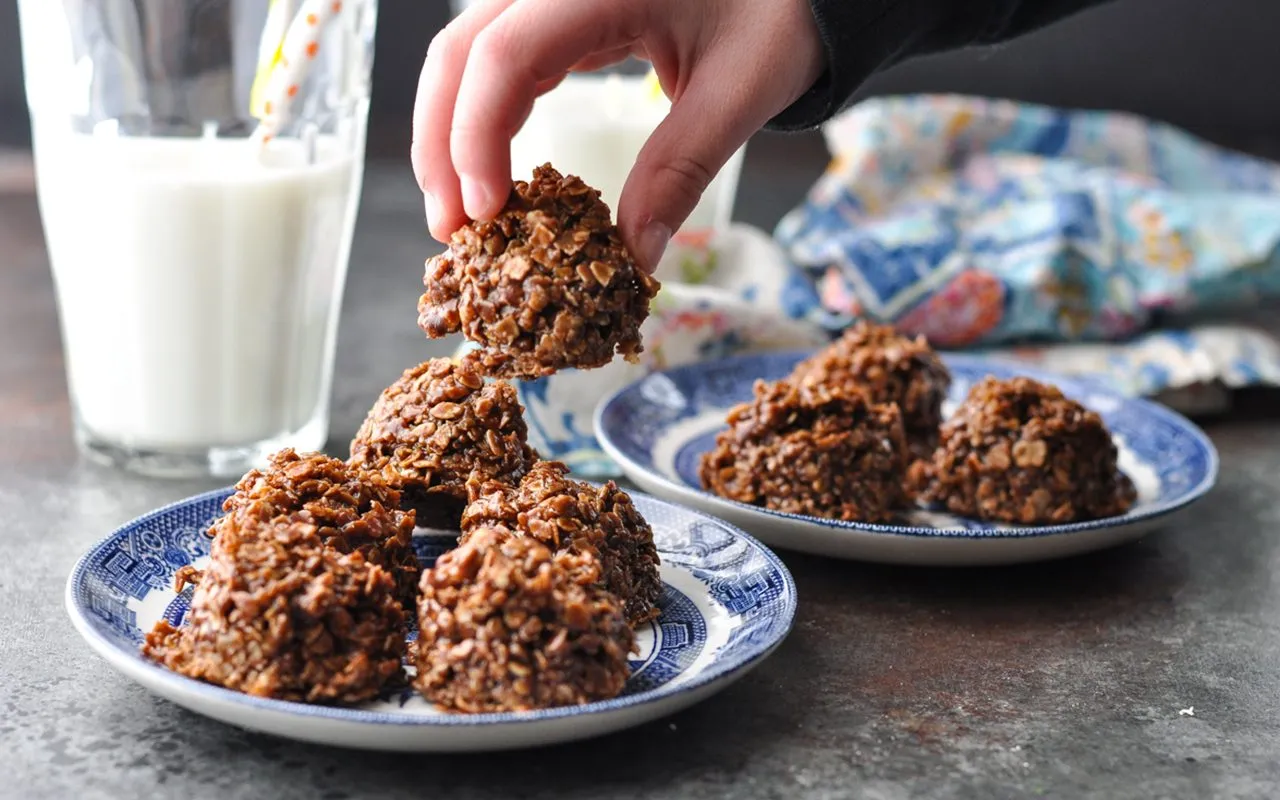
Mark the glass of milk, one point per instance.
(199, 267)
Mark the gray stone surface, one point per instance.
(1056, 680)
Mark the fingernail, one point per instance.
(432, 207)
(475, 198)
(652, 244)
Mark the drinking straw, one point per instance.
(279, 14)
(277, 83)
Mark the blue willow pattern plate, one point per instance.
(728, 603)
(659, 427)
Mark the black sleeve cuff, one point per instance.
(858, 37)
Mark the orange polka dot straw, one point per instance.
(298, 51)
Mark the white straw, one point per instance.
(298, 52)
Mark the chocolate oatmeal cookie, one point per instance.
(279, 614)
(572, 516)
(351, 512)
(1019, 451)
(506, 625)
(817, 450)
(547, 285)
(436, 427)
(890, 368)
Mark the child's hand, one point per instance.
(729, 66)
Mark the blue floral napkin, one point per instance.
(981, 221)
(1089, 243)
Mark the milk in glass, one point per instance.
(198, 167)
(197, 282)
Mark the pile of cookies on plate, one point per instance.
(312, 580)
(856, 433)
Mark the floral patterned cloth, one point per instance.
(1107, 240)
(979, 221)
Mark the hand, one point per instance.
(728, 66)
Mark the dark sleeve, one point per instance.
(862, 37)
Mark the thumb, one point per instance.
(704, 128)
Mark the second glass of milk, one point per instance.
(594, 125)
(199, 265)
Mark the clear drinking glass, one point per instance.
(594, 125)
(199, 210)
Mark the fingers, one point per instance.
(530, 43)
(705, 127)
(433, 116)
(761, 59)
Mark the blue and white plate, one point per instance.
(658, 428)
(728, 604)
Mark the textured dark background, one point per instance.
(1208, 66)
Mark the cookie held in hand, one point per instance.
(546, 286)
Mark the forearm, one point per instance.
(862, 37)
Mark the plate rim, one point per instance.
(913, 531)
(127, 662)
